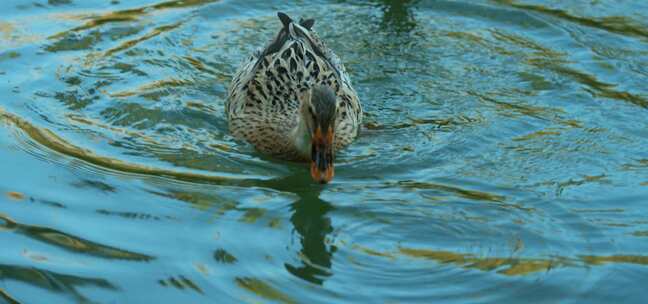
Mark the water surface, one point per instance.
(503, 158)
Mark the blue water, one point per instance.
(503, 156)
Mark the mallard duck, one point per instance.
(294, 100)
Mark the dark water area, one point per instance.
(503, 156)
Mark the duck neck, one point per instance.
(301, 137)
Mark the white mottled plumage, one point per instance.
(263, 105)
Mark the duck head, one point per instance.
(318, 114)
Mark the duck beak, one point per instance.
(322, 156)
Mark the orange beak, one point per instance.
(322, 169)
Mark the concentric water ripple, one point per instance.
(502, 157)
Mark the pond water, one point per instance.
(503, 156)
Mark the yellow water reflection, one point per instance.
(509, 266)
(15, 196)
(130, 43)
(7, 297)
(54, 142)
(615, 24)
(263, 290)
(131, 14)
(68, 241)
(465, 193)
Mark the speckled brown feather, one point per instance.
(263, 105)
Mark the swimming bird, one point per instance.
(294, 100)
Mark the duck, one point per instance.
(293, 99)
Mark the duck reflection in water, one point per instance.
(311, 225)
